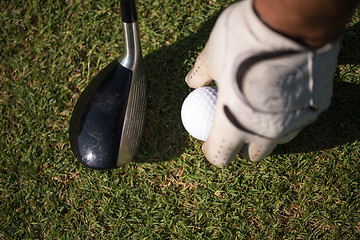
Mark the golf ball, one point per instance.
(197, 112)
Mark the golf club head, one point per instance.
(107, 122)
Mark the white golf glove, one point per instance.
(269, 86)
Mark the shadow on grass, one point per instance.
(340, 124)
(165, 138)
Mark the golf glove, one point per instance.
(269, 86)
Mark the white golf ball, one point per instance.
(197, 112)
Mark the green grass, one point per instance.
(50, 50)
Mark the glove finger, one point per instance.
(288, 138)
(224, 141)
(199, 76)
(260, 148)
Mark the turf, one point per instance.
(50, 50)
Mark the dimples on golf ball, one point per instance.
(197, 112)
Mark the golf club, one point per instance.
(107, 122)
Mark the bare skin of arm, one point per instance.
(313, 23)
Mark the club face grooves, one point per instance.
(134, 118)
(97, 122)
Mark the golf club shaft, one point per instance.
(128, 11)
(132, 48)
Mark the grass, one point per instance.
(49, 51)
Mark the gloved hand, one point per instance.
(269, 86)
